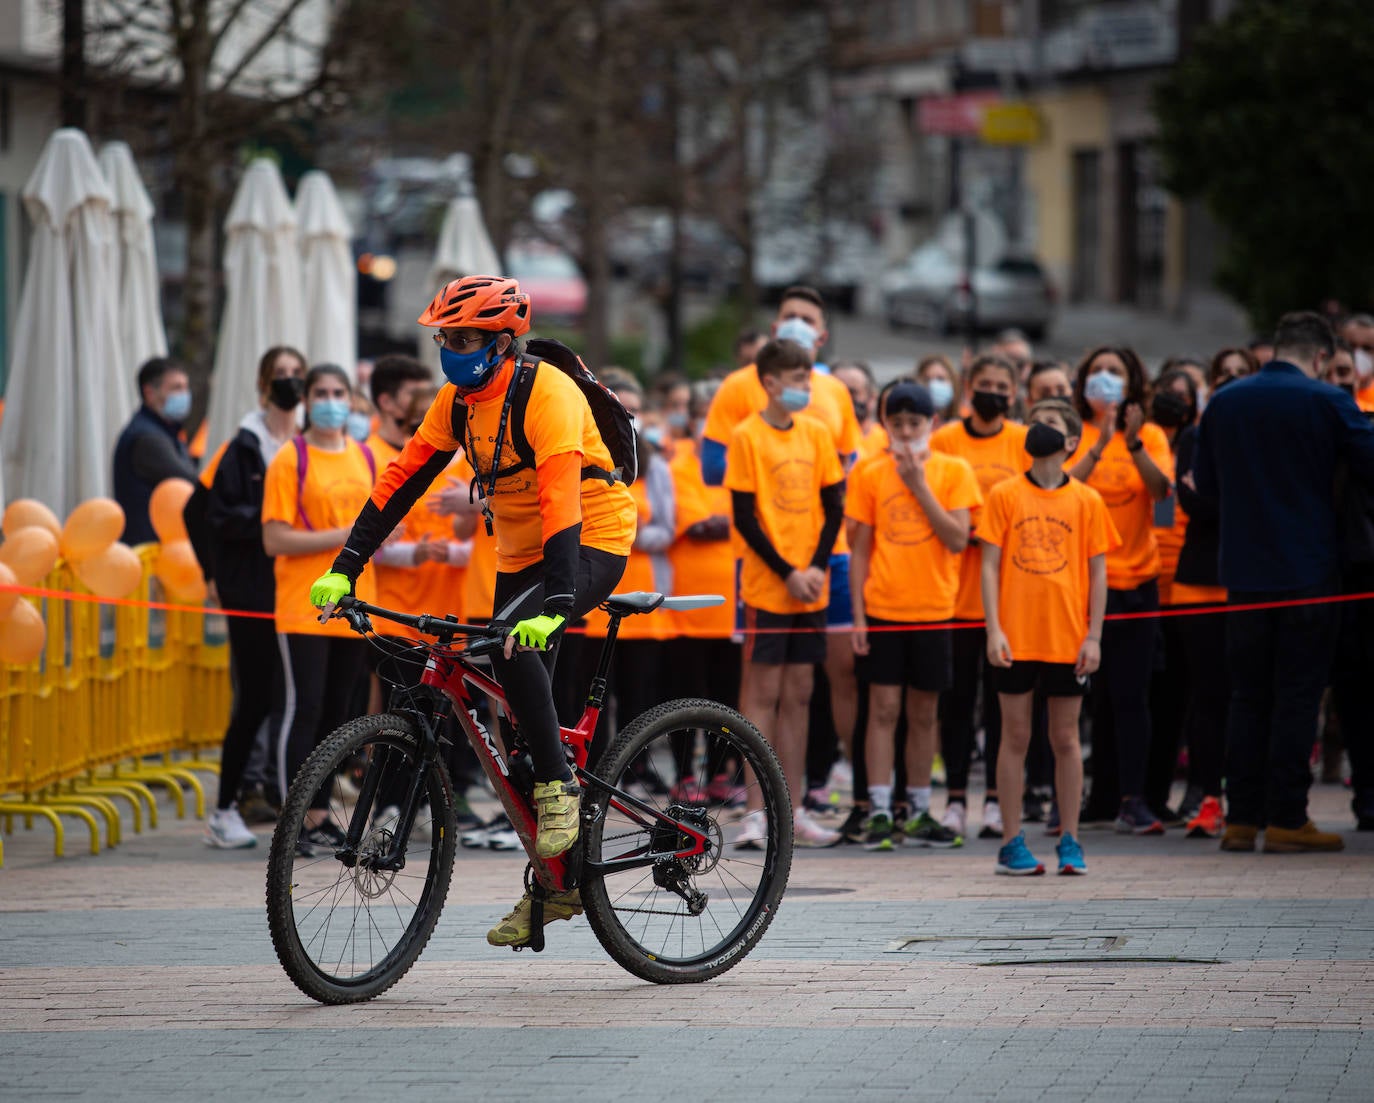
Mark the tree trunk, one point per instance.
(672, 307)
(195, 169)
(595, 258)
(74, 63)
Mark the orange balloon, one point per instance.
(30, 553)
(91, 528)
(24, 512)
(8, 598)
(179, 571)
(115, 572)
(165, 506)
(22, 635)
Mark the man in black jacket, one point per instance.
(150, 448)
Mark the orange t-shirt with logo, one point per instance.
(1116, 478)
(557, 422)
(874, 441)
(700, 566)
(1047, 538)
(912, 576)
(431, 587)
(785, 470)
(1000, 456)
(335, 488)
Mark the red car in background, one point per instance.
(557, 291)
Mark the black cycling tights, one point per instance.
(527, 677)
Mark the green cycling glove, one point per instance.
(536, 631)
(328, 588)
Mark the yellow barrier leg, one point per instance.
(124, 792)
(102, 805)
(158, 777)
(59, 835)
(133, 786)
(193, 783)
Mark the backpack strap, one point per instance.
(525, 457)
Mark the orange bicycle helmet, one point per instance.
(479, 302)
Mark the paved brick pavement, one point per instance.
(1173, 972)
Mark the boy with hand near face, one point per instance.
(787, 500)
(909, 508)
(1045, 538)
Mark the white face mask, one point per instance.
(1364, 364)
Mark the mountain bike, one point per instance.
(666, 895)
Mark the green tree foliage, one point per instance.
(1267, 118)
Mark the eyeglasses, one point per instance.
(453, 340)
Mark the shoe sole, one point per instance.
(1301, 848)
(1153, 829)
(990, 833)
(1203, 833)
(807, 844)
(933, 845)
(749, 844)
(1072, 871)
(1009, 872)
(216, 844)
(1238, 848)
(886, 844)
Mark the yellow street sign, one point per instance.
(1010, 124)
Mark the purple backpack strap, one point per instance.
(302, 459)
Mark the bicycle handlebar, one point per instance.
(444, 628)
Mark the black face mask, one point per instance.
(861, 411)
(286, 393)
(1348, 388)
(1169, 411)
(990, 406)
(1043, 440)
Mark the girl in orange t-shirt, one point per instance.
(1129, 463)
(306, 518)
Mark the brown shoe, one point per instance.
(1300, 840)
(1239, 836)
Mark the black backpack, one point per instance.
(613, 421)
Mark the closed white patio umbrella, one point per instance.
(142, 332)
(328, 276)
(69, 390)
(464, 249)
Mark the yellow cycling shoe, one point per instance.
(557, 804)
(516, 928)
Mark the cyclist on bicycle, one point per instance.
(563, 526)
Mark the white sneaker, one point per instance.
(841, 776)
(807, 832)
(753, 832)
(475, 838)
(992, 820)
(226, 830)
(501, 834)
(955, 817)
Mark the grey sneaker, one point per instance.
(926, 830)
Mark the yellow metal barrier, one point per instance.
(120, 698)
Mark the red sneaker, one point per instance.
(1209, 822)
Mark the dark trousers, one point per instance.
(1350, 685)
(1121, 699)
(527, 676)
(318, 679)
(958, 706)
(707, 669)
(1279, 660)
(1209, 698)
(255, 668)
(1168, 709)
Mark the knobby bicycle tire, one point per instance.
(638, 923)
(292, 905)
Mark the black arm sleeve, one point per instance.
(832, 501)
(375, 524)
(560, 571)
(1193, 503)
(747, 522)
(233, 510)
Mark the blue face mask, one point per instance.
(329, 413)
(941, 392)
(469, 370)
(654, 435)
(1104, 387)
(794, 398)
(358, 425)
(800, 331)
(677, 419)
(177, 406)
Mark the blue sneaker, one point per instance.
(1071, 859)
(1016, 859)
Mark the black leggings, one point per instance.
(317, 690)
(1209, 698)
(254, 666)
(527, 676)
(1121, 699)
(957, 707)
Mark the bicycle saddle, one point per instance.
(640, 601)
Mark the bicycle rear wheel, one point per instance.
(686, 919)
(346, 927)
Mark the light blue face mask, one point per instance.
(329, 413)
(941, 392)
(677, 419)
(1104, 387)
(177, 406)
(654, 435)
(794, 398)
(358, 425)
(800, 331)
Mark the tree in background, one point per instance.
(1267, 119)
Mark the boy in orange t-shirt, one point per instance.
(1045, 539)
(910, 507)
(787, 502)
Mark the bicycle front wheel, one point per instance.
(348, 924)
(681, 920)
